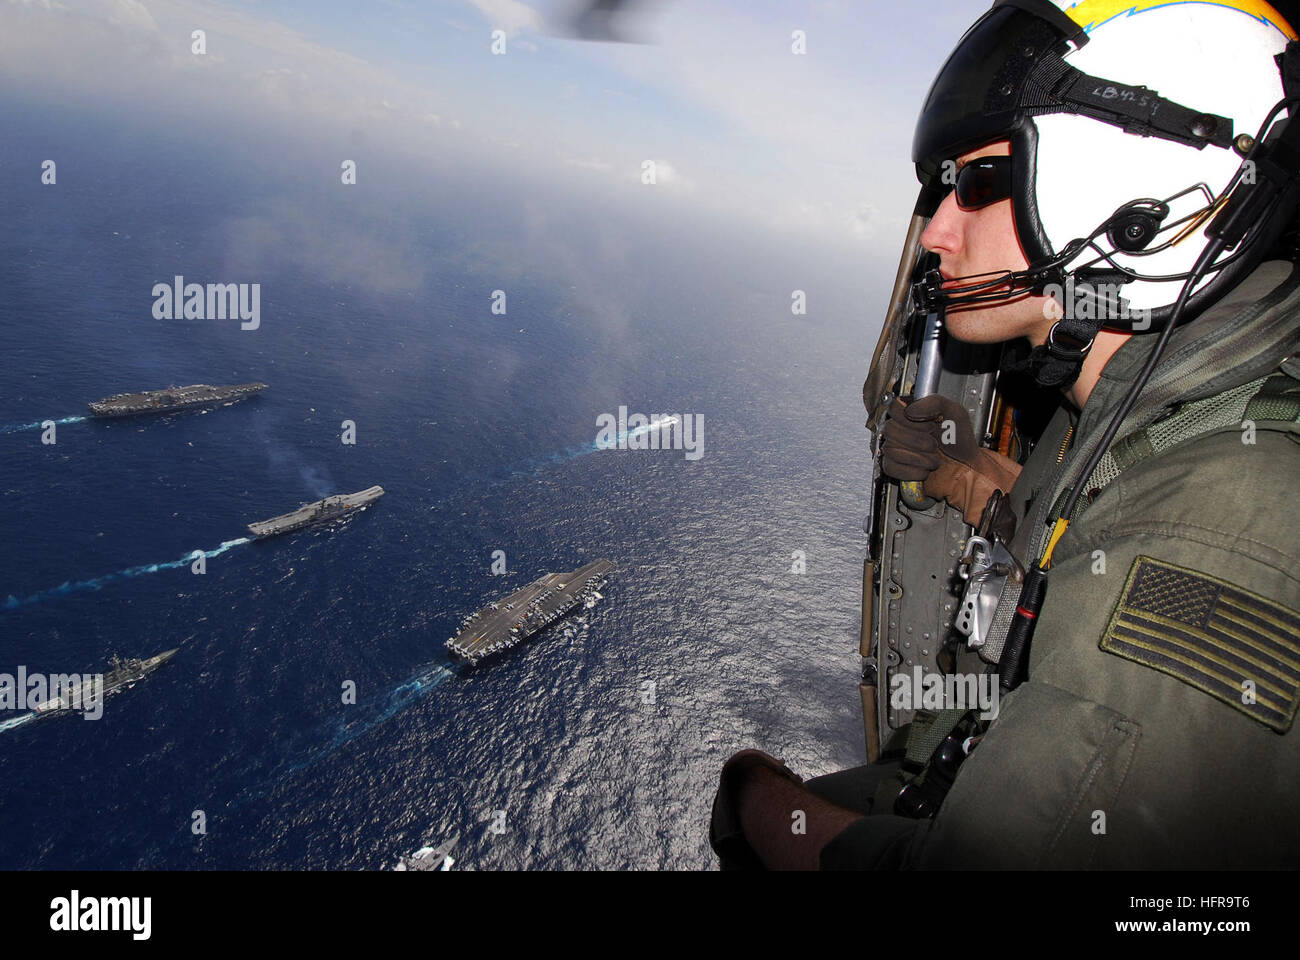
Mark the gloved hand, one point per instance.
(959, 470)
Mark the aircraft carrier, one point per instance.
(502, 624)
(173, 398)
(122, 675)
(318, 512)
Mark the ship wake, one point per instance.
(7, 725)
(330, 737)
(398, 699)
(39, 424)
(96, 583)
(535, 464)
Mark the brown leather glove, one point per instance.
(931, 440)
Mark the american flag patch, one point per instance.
(1235, 645)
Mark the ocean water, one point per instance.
(479, 427)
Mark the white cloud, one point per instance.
(670, 176)
(131, 15)
(587, 163)
(864, 219)
(817, 143)
(288, 233)
(825, 129)
(254, 68)
(509, 15)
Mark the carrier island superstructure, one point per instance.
(502, 624)
(318, 512)
(173, 398)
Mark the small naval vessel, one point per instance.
(322, 510)
(122, 675)
(173, 398)
(504, 623)
(430, 858)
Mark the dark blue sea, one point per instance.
(376, 308)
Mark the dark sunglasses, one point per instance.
(982, 182)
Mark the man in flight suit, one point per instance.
(1155, 729)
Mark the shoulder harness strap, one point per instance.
(1270, 403)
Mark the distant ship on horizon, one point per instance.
(318, 512)
(172, 398)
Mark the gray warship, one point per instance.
(430, 858)
(173, 398)
(502, 624)
(122, 675)
(318, 512)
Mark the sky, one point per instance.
(808, 148)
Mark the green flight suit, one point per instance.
(1129, 746)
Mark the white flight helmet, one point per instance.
(1127, 121)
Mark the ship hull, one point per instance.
(172, 399)
(122, 678)
(322, 511)
(526, 612)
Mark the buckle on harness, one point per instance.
(1065, 345)
(922, 796)
(986, 567)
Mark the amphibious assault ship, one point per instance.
(318, 512)
(122, 675)
(502, 624)
(173, 398)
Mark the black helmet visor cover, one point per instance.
(974, 101)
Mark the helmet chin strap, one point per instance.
(1089, 294)
(1057, 362)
